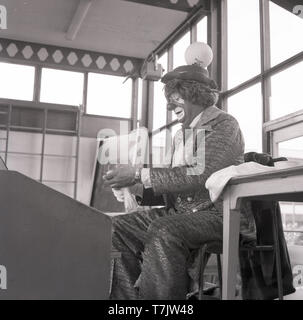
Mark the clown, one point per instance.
(156, 244)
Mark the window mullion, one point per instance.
(37, 85)
(85, 90)
(224, 53)
(135, 87)
(265, 66)
(193, 33)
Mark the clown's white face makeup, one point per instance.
(177, 104)
(184, 110)
(180, 113)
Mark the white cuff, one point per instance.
(145, 178)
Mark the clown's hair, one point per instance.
(192, 91)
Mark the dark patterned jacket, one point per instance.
(224, 146)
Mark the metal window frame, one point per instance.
(192, 29)
(134, 90)
(170, 63)
(38, 84)
(218, 38)
(267, 71)
(134, 102)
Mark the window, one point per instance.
(292, 149)
(286, 33)
(286, 91)
(160, 140)
(179, 55)
(109, 96)
(159, 110)
(202, 30)
(292, 212)
(244, 63)
(246, 107)
(179, 50)
(62, 87)
(292, 216)
(16, 81)
(139, 110)
(244, 59)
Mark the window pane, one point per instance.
(140, 88)
(246, 107)
(16, 81)
(109, 96)
(292, 217)
(286, 91)
(159, 111)
(292, 149)
(62, 87)
(292, 213)
(202, 30)
(163, 61)
(244, 61)
(286, 34)
(179, 50)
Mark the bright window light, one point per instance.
(291, 149)
(286, 34)
(179, 56)
(62, 87)
(140, 88)
(179, 50)
(246, 107)
(159, 111)
(286, 90)
(16, 81)
(109, 96)
(244, 61)
(202, 30)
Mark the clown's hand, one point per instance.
(120, 177)
(119, 194)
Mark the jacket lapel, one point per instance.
(209, 114)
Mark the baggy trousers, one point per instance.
(155, 247)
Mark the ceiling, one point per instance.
(110, 26)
